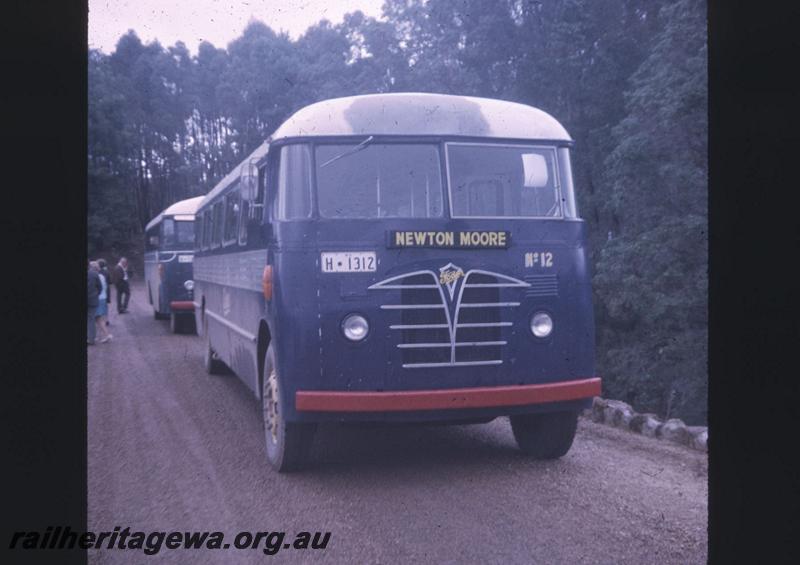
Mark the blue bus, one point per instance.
(168, 259)
(402, 257)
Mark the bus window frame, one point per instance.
(556, 174)
(198, 231)
(244, 211)
(234, 197)
(156, 229)
(205, 243)
(217, 223)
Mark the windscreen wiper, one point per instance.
(355, 149)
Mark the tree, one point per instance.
(651, 280)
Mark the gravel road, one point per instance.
(173, 449)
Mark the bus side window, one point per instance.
(294, 182)
(206, 229)
(198, 232)
(244, 217)
(152, 239)
(259, 204)
(231, 217)
(216, 222)
(168, 232)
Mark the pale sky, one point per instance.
(217, 21)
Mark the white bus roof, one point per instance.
(422, 114)
(185, 207)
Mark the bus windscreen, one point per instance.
(399, 180)
(178, 234)
(503, 181)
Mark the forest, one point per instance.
(627, 78)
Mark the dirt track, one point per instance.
(172, 448)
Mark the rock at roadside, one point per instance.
(675, 430)
(618, 414)
(598, 409)
(699, 437)
(639, 421)
(651, 426)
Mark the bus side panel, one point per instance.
(176, 273)
(295, 321)
(229, 286)
(151, 277)
(245, 313)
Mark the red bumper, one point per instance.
(182, 305)
(444, 399)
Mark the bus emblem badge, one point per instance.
(449, 275)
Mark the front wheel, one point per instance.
(287, 442)
(545, 436)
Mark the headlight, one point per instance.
(188, 285)
(541, 324)
(355, 327)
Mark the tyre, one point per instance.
(174, 323)
(212, 363)
(190, 325)
(287, 443)
(545, 436)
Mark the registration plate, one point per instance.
(348, 262)
(185, 258)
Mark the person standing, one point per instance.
(121, 276)
(107, 275)
(94, 287)
(102, 306)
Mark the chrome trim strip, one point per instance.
(382, 284)
(244, 333)
(490, 285)
(408, 286)
(487, 304)
(453, 364)
(411, 306)
(512, 282)
(418, 326)
(458, 344)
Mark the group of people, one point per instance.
(99, 296)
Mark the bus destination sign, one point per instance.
(449, 239)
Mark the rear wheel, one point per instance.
(287, 443)
(212, 363)
(174, 323)
(545, 436)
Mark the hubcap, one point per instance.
(271, 405)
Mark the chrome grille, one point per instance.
(541, 285)
(433, 336)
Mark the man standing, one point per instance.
(94, 287)
(121, 276)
